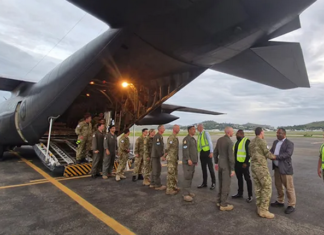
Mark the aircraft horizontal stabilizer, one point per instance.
(277, 64)
(287, 28)
(162, 115)
(8, 84)
(169, 108)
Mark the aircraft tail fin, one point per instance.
(276, 64)
(9, 84)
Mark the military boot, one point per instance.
(134, 178)
(171, 192)
(146, 182)
(187, 198)
(266, 214)
(105, 177)
(117, 178)
(192, 195)
(122, 176)
(140, 177)
(226, 208)
(152, 186)
(162, 187)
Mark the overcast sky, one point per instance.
(36, 35)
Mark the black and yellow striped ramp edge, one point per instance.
(84, 169)
(77, 170)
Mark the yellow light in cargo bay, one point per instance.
(125, 84)
(92, 83)
(87, 94)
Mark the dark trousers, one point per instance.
(156, 172)
(240, 172)
(206, 160)
(96, 160)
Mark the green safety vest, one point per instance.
(241, 151)
(322, 153)
(203, 142)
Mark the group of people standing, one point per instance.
(237, 158)
(230, 159)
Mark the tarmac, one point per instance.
(32, 202)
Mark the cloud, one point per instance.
(37, 35)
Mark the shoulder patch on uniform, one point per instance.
(78, 126)
(122, 141)
(184, 142)
(158, 140)
(105, 138)
(185, 146)
(94, 136)
(170, 142)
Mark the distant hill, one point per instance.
(309, 126)
(212, 125)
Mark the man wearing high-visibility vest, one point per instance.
(205, 148)
(242, 164)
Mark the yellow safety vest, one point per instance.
(322, 153)
(203, 142)
(241, 151)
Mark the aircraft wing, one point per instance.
(277, 64)
(169, 108)
(9, 84)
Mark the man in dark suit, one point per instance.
(283, 149)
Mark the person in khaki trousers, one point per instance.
(283, 149)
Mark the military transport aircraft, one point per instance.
(155, 48)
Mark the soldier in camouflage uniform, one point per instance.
(139, 156)
(97, 120)
(262, 180)
(123, 151)
(84, 131)
(172, 151)
(148, 142)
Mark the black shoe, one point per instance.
(237, 196)
(78, 161)
(134, 178)
(249, 199)
(213, 186)
(202, 186)
(277, 204)
(289, 210)
(140, 177)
